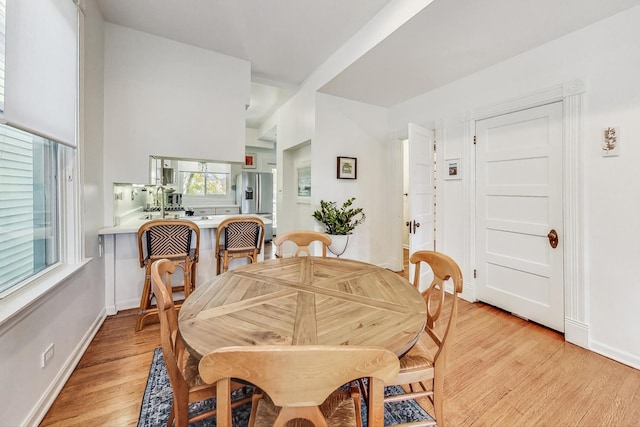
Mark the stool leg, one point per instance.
(187, 280)
(145, 298)
(193, 275)
(225, 263)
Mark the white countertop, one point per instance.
(132, 226)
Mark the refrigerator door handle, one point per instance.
(258, 193)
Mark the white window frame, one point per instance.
(70, 242)
(227, 179)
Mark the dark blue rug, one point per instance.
(156, 403)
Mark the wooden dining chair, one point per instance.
(182, 368)
(238, 237)
(302, 382)
(422, 368)
(302, 239)
(171, 239)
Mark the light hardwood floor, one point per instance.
(503, 371)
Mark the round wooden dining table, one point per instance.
(303, 300)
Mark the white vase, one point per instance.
(339, 243)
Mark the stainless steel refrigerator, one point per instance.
(254, 195)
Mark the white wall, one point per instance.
(168, 99)
(71, 313)
(353, 129)
(296, 124)
(296, 211)
(607, 57)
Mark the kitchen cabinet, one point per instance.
(204, 211)
(227, 211)
(212, 210)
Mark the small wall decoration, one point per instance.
(250, 161)
(610, 141)
(304, 181)
(453, 169)
(347, 168)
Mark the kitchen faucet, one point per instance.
(160, 188)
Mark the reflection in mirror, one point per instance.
(194, 181)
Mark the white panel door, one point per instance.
(421, 196)
(518, 204)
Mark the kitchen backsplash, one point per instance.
(132, 200)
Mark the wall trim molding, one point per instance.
(576, 333)
(615, 354)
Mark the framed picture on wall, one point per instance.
(250, 161)
(347, 168)
(303, 180)
(453, 170)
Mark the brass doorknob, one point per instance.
(553, 238)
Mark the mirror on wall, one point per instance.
(168, 171)
(194, 177)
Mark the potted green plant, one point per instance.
(339, 221)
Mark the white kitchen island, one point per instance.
(124, 277)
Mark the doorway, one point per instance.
(519, 217)
(417, 221)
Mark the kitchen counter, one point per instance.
(124, 277)
(204, 222)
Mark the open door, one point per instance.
(421, 195)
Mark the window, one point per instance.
(39, 216)
(205, 183)
(29, 215)
(3, 9)
(210, 179)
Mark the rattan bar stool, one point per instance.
(238, 237)
(171, 239)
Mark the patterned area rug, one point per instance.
(156, 403)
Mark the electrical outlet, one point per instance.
(48, 355)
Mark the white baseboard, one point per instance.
(615, 354)
(40, 410)
(576, 333)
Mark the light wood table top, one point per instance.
(304, 300)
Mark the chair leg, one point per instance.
(172, 416)
(193, 276)
(438, 390)
(225, 263)
(145, 298)
(186, 279)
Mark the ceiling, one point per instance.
(451, 39)
(286, 40)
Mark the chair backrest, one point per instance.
(167, 238)
(444, 268)
(299, 378)
(240, 233)
(302, 239)
(173, 347)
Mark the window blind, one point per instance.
(41, 75)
